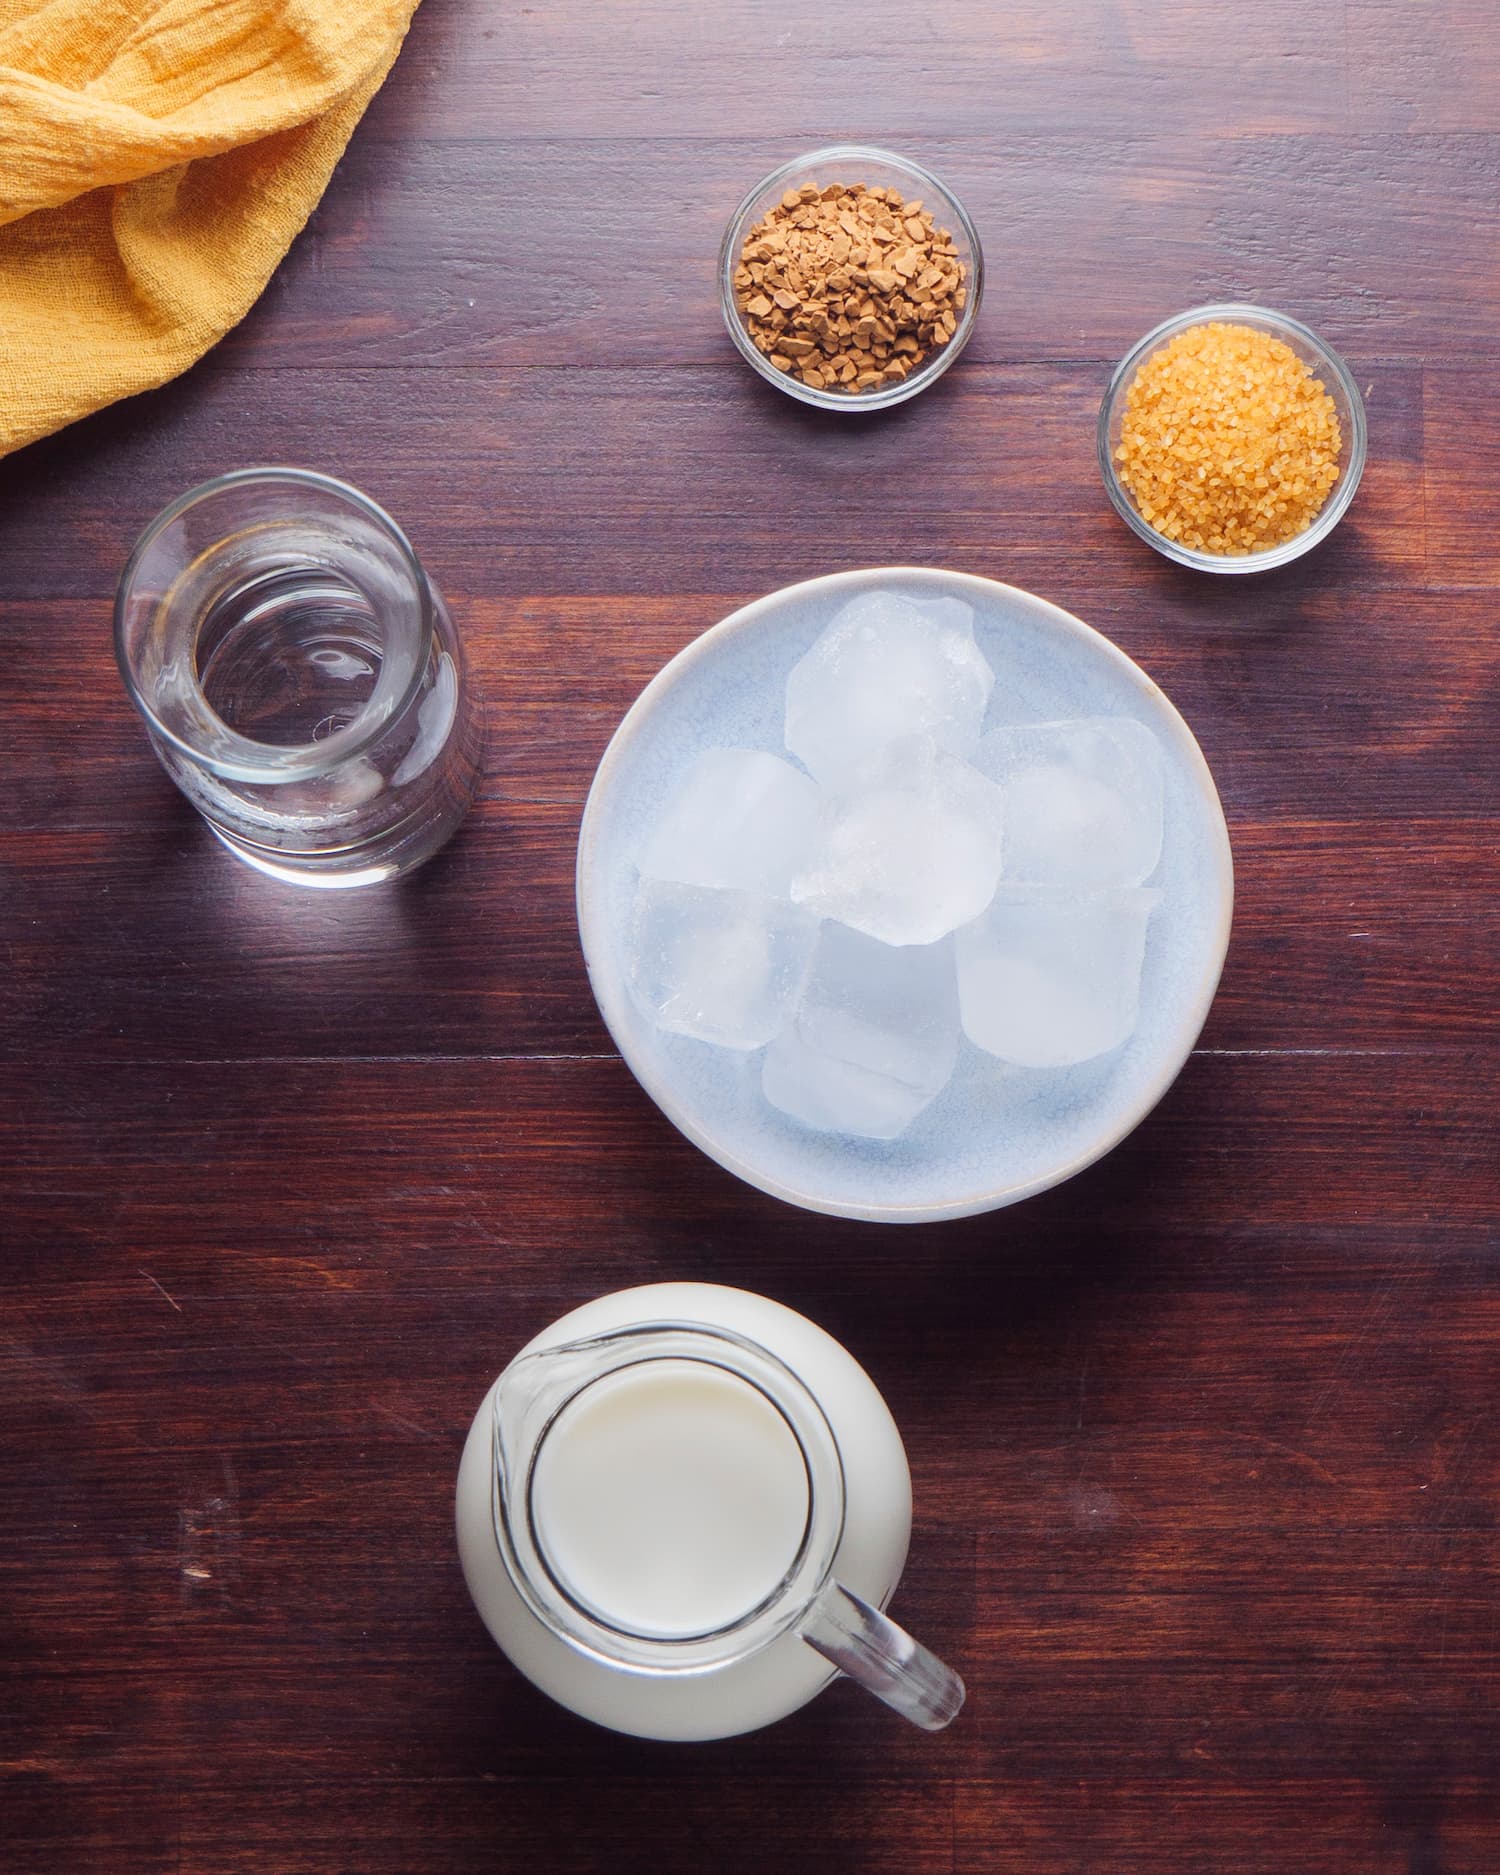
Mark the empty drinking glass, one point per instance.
(301, 680)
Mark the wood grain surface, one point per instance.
(1205, 1443)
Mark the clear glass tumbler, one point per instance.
(300, 677)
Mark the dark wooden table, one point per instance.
(1205, 1444)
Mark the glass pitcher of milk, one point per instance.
(681, 1511)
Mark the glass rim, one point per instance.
(249, 761)
(1356, 444)
(933, 367)
(589, 1632)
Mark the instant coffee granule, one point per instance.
(848, 288)
(1228, 444)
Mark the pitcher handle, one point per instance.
(883, 1658)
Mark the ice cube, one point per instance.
(738, 817)
(892, 1008)
(836, 1096)
(872, 1038)
(722, 966)
(1083, 800)
(886, 668)
(1050, 976)
(910, 848)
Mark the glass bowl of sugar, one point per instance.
(1232, 439)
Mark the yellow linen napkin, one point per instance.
(157, 157)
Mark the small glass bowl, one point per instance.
(1326, 365)
(876, 169)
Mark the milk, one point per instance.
(669, 1498)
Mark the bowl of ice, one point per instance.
(904, 893)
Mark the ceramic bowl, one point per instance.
(995, 1134)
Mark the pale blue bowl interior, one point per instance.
(996, 1133)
